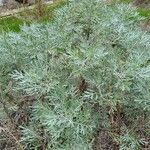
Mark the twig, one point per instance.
(11, 134)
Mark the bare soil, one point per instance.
(12, 4)
(142, 3)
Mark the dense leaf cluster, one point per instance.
(83, 68)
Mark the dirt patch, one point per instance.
(15, 4)
(103, 141)
(142, 3)
(12, 4)
(146, 25)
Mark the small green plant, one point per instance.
(10, 24)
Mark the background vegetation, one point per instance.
(13, 22)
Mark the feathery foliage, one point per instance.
(89, 69)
